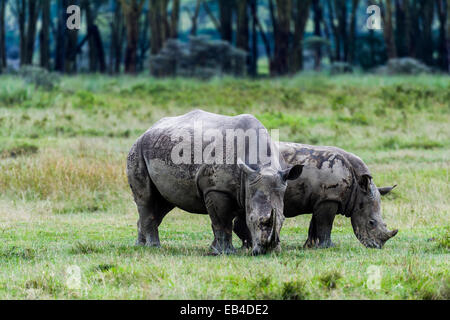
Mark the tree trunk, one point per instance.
(341, 10)
(443, 36)
(318, 17)
(242, 32)
(253, 69)
(335, 31)
(117, 38)
(2, 35)
(21, 16)
(60, 37)
(44, 37)
(144, 41)
(33, 13)
(242, 25)
(401, 32)
(301, 17)
(427, 46)
(194, 18)
(226, 19)
(283, 16)
(132, 10)
(388, 31)
(448, 35)
(96, 50)
(93, 56)
(352, 40)
(71, 42)
(158, 24)
(174, 20)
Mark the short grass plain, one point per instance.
(64, 199)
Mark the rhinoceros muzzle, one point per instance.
(272, 239)
(378, 242)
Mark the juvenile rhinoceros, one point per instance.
(333, 182)
(200, 162)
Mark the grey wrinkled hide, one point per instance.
(333, 182)
(224, 191)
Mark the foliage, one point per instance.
(40, 77)
(404, 66)
(200, 58)
(340, 68)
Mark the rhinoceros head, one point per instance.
(367, 222)
(264, 193)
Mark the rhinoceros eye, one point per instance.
(372, 223)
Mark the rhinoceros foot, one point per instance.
(316, 244)
(219, 250)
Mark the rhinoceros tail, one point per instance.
(138, 176)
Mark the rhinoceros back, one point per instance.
(328, 175)
(177, 182)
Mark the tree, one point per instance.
(96, 50)
(44, 35)
(427, 17)
(71, 46)
(226, 19)
(388, 30)
(352, 39)
(442, 8)
(253, 67)
(448, 35)
(242, 32)
(160, 27)
(300, 18)
(132, 10)
(26, 12)
(2, 35)
(117, 27)
(318, 19)
(335, 31)
(194, 17)
(281, 20)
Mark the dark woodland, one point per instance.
(128, 36)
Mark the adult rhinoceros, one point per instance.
(333, 182)
(183, 162)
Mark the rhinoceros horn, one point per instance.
(273, 220)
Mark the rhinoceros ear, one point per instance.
(292, 173)
(364, 182)
(245, 167)
(385, 190)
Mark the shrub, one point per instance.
(294, 290)
(404, 66)
(39, 77)
(200, 58)
(340, 68)
(24, 149)
(330, 280)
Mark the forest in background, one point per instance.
(288, 35)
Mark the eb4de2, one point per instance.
(233, 309)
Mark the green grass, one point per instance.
(64, 198)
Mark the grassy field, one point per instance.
(64, 199)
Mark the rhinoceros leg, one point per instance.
(319, 234)
(151, 215)
(221, 213)
(242, 231)
(152, 207)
